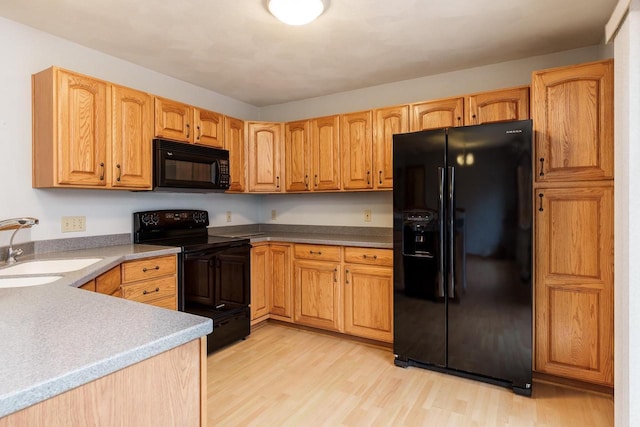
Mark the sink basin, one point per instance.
(50, 266)
(19, 282)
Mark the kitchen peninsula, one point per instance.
(73, 355)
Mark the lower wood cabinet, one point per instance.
(167, 389)
(574, 283)
(149, 280)
(341, 289)
(317, 292)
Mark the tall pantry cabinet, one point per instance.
(573, 192)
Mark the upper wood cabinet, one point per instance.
(88, 133)
(437, 114)
(325, 153)
(574, 282)
(173, 120)
(265, 147)
(312, 154)
(356, 140)
(297, 154)
(497, 106)
(386, 123)
(234, 141)
(573, 122)
(131, 142)
(209, 128)
(70, 129)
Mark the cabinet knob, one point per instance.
(119, 172)
(379, 177)
(101, 171)
(368, 177)
(188, 129)
(346, 279)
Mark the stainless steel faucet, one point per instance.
(16, 223)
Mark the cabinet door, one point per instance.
(131, 139)
(317, 294)
(109, 283)
(497, 106)
(357, 150)
(573, 122)
(387, 122)
(297, 154)
(368, 302)
(280, 301)
(325, 152)
(437, 114)
(260, 281)
(574, 283)
(265, 147)
(83, 115)
(234, 141)
(209, 128)
(173, 120)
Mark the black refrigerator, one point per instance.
(462, 219)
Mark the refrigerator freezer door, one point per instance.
(489, 318)
(418, 193)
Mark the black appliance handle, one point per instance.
(440, 289)
(207, 253)
(451, 217)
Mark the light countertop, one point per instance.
(56, 337)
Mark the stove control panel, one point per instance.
(164, 220)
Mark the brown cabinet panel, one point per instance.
(150, 290)
(148, 268)
(368, 299)
(497, 106)
(281, 303)
(89, 286)
(325, 153)
(317, 293)
(234, 141)
(573, 122)
(131, 139)
(387, 122)
(260, 281)
(297, 152)
(437, 114)
(318, 252)
(265, 156)
(109, 283)
(209, 128)
(173, 120)
(574, 283)
(368, 256)
(356, 140)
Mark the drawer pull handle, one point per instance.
(144, 270)
(335, 275)
(347, 276)
(315, 253)
(145, 292)
(365, 256)
(541, 166)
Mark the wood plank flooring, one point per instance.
(282, 376)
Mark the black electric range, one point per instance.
(214, 277)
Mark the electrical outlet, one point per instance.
(274, 214)
(228, 216)
(73, 224)
(367, 215)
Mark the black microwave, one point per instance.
(180, 166)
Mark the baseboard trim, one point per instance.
(604, 390)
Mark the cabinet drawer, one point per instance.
(150, 290)
(149, 268)
(319, 252)
(368, 256)
(166, 302)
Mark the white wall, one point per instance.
(627, 226)
(26, 51)
(489, 77)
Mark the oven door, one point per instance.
(218, 279)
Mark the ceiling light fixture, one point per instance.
(296, 12)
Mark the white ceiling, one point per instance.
(236, 48)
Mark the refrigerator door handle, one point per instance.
(441, 278)
(451, 218)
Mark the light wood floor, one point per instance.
(281, 376)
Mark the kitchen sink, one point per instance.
(50, 266)
(19, 282)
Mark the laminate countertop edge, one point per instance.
(56, 337)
